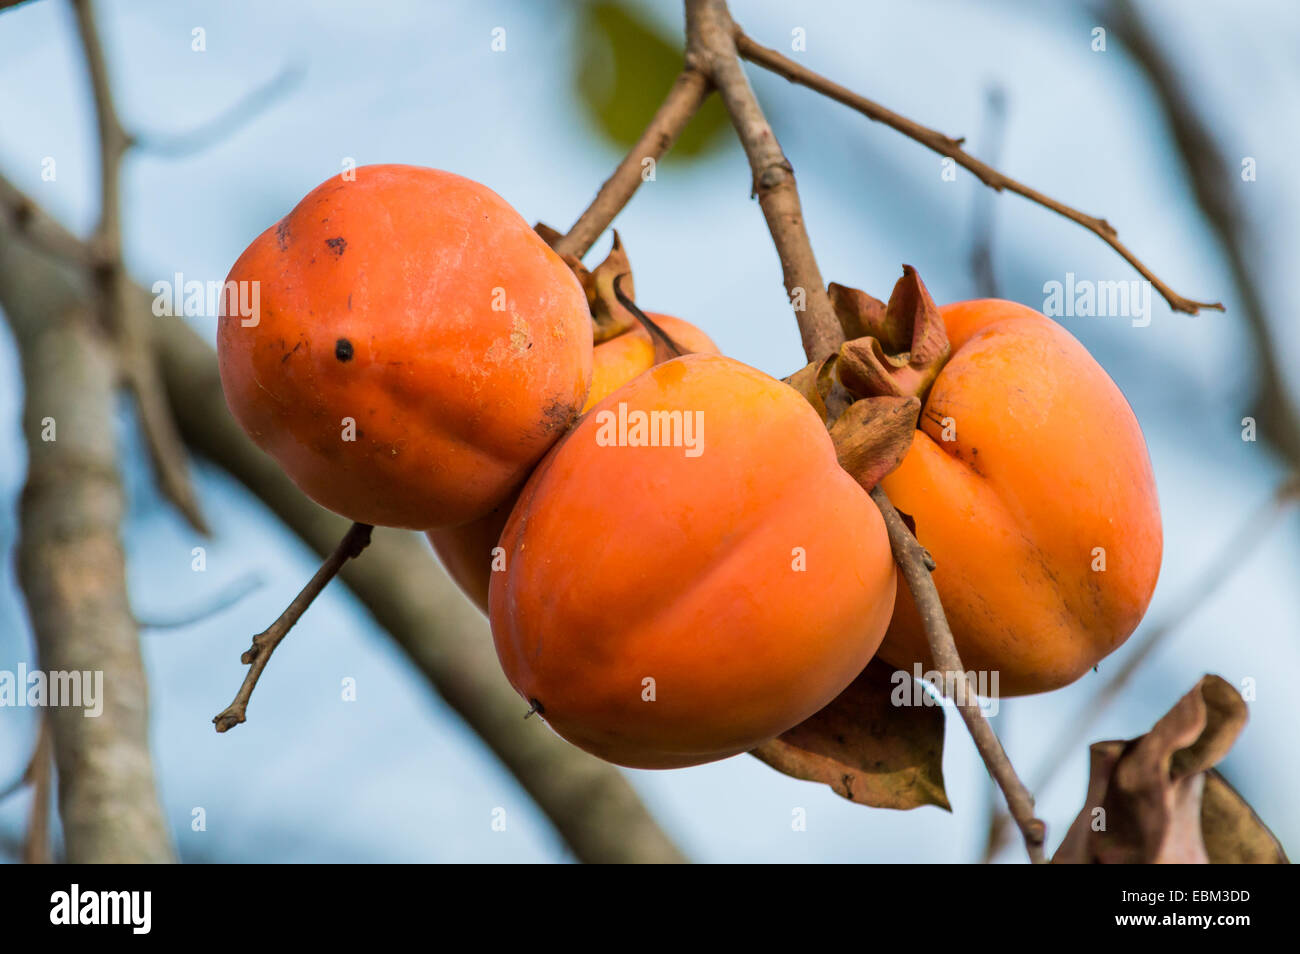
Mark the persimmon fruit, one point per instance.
(661, 607)
(417, 349)
(467, 552)
(1028, 481)
(623, 349)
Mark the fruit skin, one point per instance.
(619, 360)
(1048, 463)
(625, 563)
(377, 304)
(466, 551)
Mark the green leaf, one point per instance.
(625, 67)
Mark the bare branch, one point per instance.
(28, 220)
(915, 564)
(952, 148)
(710, 47)
(1211, 178)
(687, 95)
(981, 253)
(224, 125)
(37, 849)
(259, 654)
(129, 327)
(72, 569)
(232, 596)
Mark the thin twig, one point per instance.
(985, 279)
(259, 654)
(687, 95)
(231, 596)
(710, 48)
(981, 253)
(128, 326)
(952, 148)
(912, 561)
(1212, 179)
(222, 126)
(37, 849)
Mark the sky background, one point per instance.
(395, 776)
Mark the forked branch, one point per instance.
(952, 148)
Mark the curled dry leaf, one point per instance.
(902, 347)
(867, 748)
(815, 382)
(1150, 798)
(1233, 833)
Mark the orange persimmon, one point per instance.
(416, 348)
(677, 597)
(1028, 481)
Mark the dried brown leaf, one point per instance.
(1155, 799)
(1233, 833)
(867, 748)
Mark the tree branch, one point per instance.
(129, 328)
(1210, 176)
(72, 570)
(710, 49)
(952, 148)
(915, 564)
(259, 654)
(687, 95)
(37, 849)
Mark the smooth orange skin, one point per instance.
(454, 400)
(1048, 463)
(620, 359)
(628, 563)
(466, 552)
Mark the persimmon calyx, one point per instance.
(874, 435)
(609, 318)
(899, 348)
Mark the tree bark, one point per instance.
(73, 573)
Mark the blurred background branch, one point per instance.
(73, 572)
(1211, 177)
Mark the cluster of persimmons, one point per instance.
(424, 359)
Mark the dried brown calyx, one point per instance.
(870, 392)
(609, 318)
(897, 348)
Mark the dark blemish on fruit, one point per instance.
(349, 301)
(558, 416)
(282, 235)
(287, 354)
(338, 245)
(343, 349)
